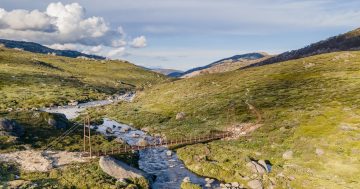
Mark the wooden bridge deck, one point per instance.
(124, 150)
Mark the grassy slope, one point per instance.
(306, 104)
(34, 80)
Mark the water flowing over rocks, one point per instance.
(164, 164)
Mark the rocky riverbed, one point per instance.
(164, 164)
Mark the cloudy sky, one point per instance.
(178, 34)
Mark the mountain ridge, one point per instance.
(349, 41)
(38, 48)
(226, 64)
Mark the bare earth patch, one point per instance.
(31, 160)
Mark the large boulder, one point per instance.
(10, 127)
(255, 184)
(59, 121)
(120, 170)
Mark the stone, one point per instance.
(209, 180)
(142, 142)
(169, 153)
(186, 179)
(146, 129)
(288, 154)
(135, 135)
(255, 184)
(235, 184)
(119, 169)
(119, 140)
(57, 120)
(265, 165)
(228, 185)
(125, 129)
(11, 127)
(256, 167)
(319, 151)
(109, 130)
(180, 116)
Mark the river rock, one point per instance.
(180, 116)
(169, 153)
(186, 179)
(57, 120)
(288, 154)
(142, 142)
(109, 130)
(119, 170)
(255, 184)
(135, 135)
(209, 180)
(10, 128)
(235, 184)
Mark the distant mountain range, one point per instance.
(345, 42)
(226, 64)
(169, 72)
(37, 48)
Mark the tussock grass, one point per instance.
(306, 104)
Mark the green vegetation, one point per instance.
(188, 185)
(29, 80)
(85, 175)
(306, 104)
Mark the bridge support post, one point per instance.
(87, 135)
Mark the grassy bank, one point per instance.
(29, 80)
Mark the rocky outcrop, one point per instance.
(120, 170)
(10, 128)
(180, 116)
(59, 121)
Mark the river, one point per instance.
(168, 169)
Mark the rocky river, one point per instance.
(164, 164)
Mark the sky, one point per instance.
(177, 34)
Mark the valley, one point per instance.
(294, 123)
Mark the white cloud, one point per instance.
(139, 42)
(59, 26)
(116, 52)
(66, 46)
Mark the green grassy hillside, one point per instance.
(307, 105)
(29, 80)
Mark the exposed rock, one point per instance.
(135, 135)
(124, 129)
(186, 179)
(18, 184)
(169, 153)
(109, 130)
(288, 154)
(209, 180)
(119, 140)
(265, 165)
(11, 128)
(180, 116)
(119, 170)
(146, 129)
(255, 184)
(319, 151)
(256, 167)
(235, 184)
(58, 121)
(142, 142)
